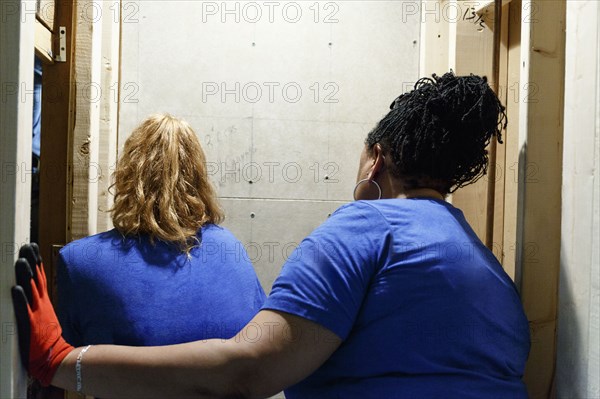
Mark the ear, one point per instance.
(378, 160)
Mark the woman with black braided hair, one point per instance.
(393, 296)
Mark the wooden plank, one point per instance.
(17, 37)
(84, 169)
(57, 123)
(109, 107)
(541, 137)
(436, 38)
(511, 141)
(485, 9)
(45, 12)
(500, 164)
(43, 42)
(474, 45)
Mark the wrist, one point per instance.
(45, 372)
(78, 377)
(64, 376)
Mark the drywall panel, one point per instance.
(339, 173)
(281, 95)
(578, 346)
(227, 143)
(270, 230)
(288, 170)
(291, 74)
(374, 59)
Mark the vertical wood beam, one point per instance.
(57, 124)
(85, 169)
(499, 246)
(540, 181)
(109, 109)
(492, 149)
(511, 142)
(437, 38)
(474, 54)
(17, 29)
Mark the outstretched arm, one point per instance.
(274, 351)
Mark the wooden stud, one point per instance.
(511, 142)
(84, 170)
(57, 123)
(540, 182)
(109, 112)
(474, 47)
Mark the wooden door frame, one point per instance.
(58, 118)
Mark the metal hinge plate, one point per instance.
(61, 54)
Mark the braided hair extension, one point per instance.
(437, 134)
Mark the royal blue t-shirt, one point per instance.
(126, 291)
(424, 309)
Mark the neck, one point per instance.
(420, 193)
(393, 187)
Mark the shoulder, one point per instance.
(89, 248)
(355, 230)
(358, 209)
(220, 246)
(398, 212)
(213, 232)
(363, 216)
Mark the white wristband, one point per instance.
(78, 368)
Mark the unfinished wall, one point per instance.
(16, 103)
(578, 358)
(281, 94)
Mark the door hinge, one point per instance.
(61, 54)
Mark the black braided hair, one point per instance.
(437, 134)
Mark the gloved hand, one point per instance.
(41, 344)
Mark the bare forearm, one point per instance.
(273, 351)
(203, 369)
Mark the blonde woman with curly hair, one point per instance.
(167, 273)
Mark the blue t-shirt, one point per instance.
(422, 306)
(113, 290)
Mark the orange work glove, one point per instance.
(41, 344)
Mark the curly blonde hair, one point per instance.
(161, 185)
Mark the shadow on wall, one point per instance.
(571, 342)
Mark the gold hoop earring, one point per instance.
(361, 182)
